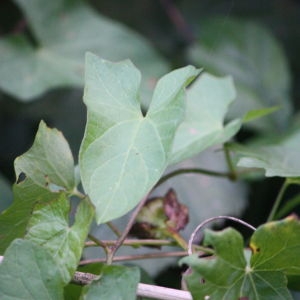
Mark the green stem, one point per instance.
(191, 170)
(114, 229)
(278, 200)
(232, 171)
(135, 243)
(288, 207)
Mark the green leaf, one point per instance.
(279, 158)
(14, 220)
(207, 103)
(229, 274)
(116, 282)
(5, 193)
(255, 60)
(276, 245)
(49, 227)
(259, 113)
(124, 153)
(43, 173)
(64, 31)
(49, 162)
(29, 272)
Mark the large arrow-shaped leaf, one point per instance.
(124, 153)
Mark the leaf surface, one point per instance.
(29, 272)
(254, 59)
(278, 158)
(49, 227)
(43, 173)
(230, 274)
(124, 153)
(116, 282)
(49, 162)
(208, 100)
(64, 31)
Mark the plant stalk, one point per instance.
(278, 200)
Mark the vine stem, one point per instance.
(124, 234)
(191, 170)
(278, 200)
(200, 226)
(136, 257)
(232, 171)
(134, 243)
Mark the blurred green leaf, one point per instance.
(29, 272)
(49, 227)
(207, 103)
(259, 113)
(64, 31)
(229, 274)
(279, 158)
(124, 153)
(255, 60)
(116, 282)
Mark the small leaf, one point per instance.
(49, 162)
(277, 158)
(116, 282)
(251, 55)
(124, 153)
(64, 31)
(208, 100)
(49, 228)
(29, 272)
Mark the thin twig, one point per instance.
(134, 243)
(114, 229)
(200, 226)
(136, 257)
(129, 225)
(178, 20)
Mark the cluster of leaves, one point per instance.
(127, 146)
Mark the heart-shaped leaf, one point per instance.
(49, 227)
(124, 153)
(64, 31)
(207, 104)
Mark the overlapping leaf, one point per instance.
(29, 272)
(44, 172)
(251, 55)
(49, 227)
(116, 282)
(280, 158)
(230, 275)
(64, 31)
(124, 153)
(207, 104)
